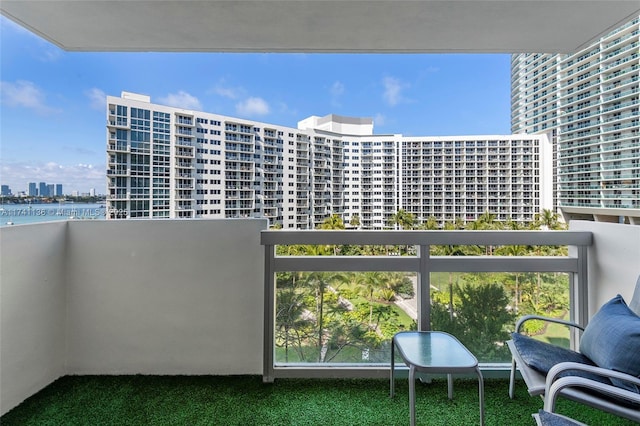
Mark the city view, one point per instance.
(563, 151)
(573, 149)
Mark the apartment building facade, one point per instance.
(588, 103)
(166, 162)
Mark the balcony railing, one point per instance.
(422, 264)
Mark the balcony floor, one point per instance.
(245, 400)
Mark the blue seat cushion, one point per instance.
(541, 356)
(612, 340)
(551, 419)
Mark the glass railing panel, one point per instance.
(479, 283)
(481, 309)
(341, 317)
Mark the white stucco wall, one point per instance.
(32, 309)
(129, 297)
(614, 260)
(165, 297)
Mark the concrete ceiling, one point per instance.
(488, 26)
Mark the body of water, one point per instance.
(20, 214)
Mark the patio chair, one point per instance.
(604, 374)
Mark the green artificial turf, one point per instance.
(245, 400)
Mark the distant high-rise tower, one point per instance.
(43, 189)
(588, 103)
(166, 162)
(33, 189)
(5, 190)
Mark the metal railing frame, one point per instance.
(575, 264)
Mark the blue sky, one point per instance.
(52, 105)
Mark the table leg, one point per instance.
(412, 394)
(450, 386)
(391, 384)
(481, 395)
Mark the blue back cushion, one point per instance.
(612, 340)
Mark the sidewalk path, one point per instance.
(410, 306)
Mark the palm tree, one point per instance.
(517, 250)
(487, 220)
(332, 222)
(370, 282)
(319, 281)
(395, 281)
(548, 220)
(403, 219)
(289, 310)
(449, 250)
(430, 224)
(355, 221)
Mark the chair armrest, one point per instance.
(562, 367)
(526, 318)
(553, 392)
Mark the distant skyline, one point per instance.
(52, 107)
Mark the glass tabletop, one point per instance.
(433, 349)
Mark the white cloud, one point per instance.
(252, 106)
(228, 92)
(283, 108)
(336, 91)
(25, 94)
(75, 177)
(393, 90)
(379, 120)
(181, 99)
(97, 98)
(50, 54)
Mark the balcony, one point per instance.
(188, 297)
(178, 297)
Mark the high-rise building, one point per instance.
(43, 189)
(33, 189)
(5, 190)
(165, 162)
(59, 192)
(588, 103)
